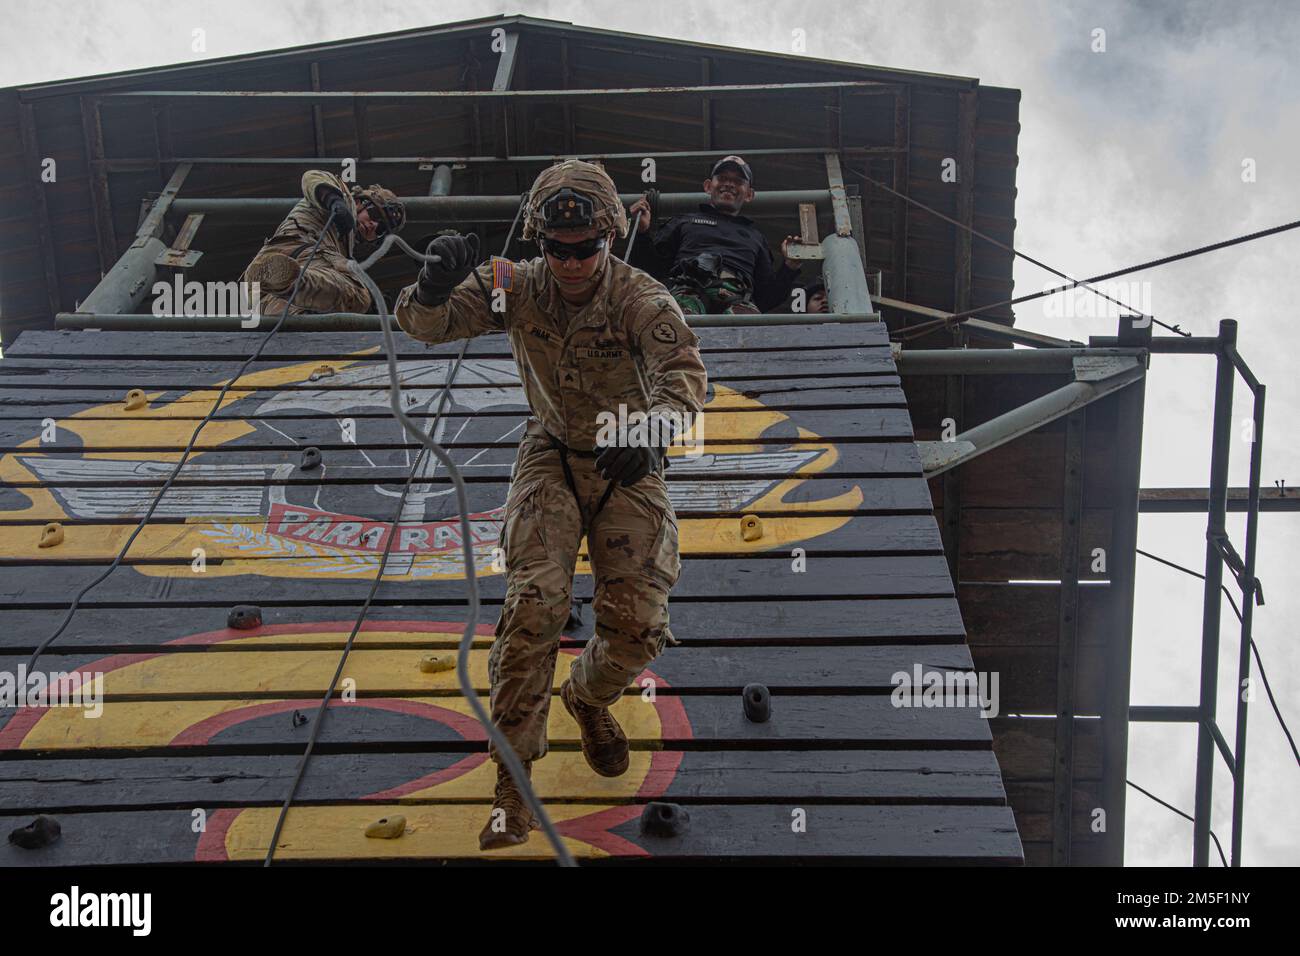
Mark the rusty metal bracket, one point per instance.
(180, 255)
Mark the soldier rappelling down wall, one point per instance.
(715, 260)
(326, 285)
(589, 333)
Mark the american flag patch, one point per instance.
(503, 274)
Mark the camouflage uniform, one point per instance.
(724, 296)
(327, 286)
(629, 344)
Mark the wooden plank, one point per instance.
(778, 394)
(868, 834)
(914, 620)
(1028, 473)
(1017, 544)
(177, 373)
(102, 346)
(698, 721)
(198, 502)
(183, 671)
(340, 501)
(256, 580)
(109, 434)
(875, 534)
(1026, 748)
(230, 780)
(999, 615)
(1028, 678)
(722, 464)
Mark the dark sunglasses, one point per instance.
(565, 251)
(376, 217)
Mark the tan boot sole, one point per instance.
(487, 840)
(275, 272)
(605, 771)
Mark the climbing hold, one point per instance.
(437, 663)
(40, 832)
(751, 529)
(664, 819)
(299, 718)
(321, 371)
(51, 535)
(135, 399)
(389, 828)
(310, 458)
(575, 615)
(244, 617)
(758, 703)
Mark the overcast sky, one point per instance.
(1125, 155)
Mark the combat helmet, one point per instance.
(574, 194)
(384, 202)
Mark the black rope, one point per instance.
(956, 317)
(361, 616)
(1170, 806)
(153, 505)
(1259, 661)
(1011, 249)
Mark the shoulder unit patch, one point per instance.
(664, 332)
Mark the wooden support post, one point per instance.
(1067, 647)
(40, 212)
(363, 128)
(706, 104)
(569, 137)
(317, 116)
(501, 82)
(1121, 561)
(902, 143)
(162, 138)
(100, 200)
(967, 104)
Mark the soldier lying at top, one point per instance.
(326, 285)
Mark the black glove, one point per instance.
(337, 203)
(458, 254)
(627, 465)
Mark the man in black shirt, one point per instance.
(716, 260)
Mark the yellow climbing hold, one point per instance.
(51, 535)
(135, 399)
(751, 529)
(389, 828)
(437, 663)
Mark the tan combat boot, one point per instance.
(603, 742)
(511, 825)
(274, 272)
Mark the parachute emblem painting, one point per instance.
(245, 511)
